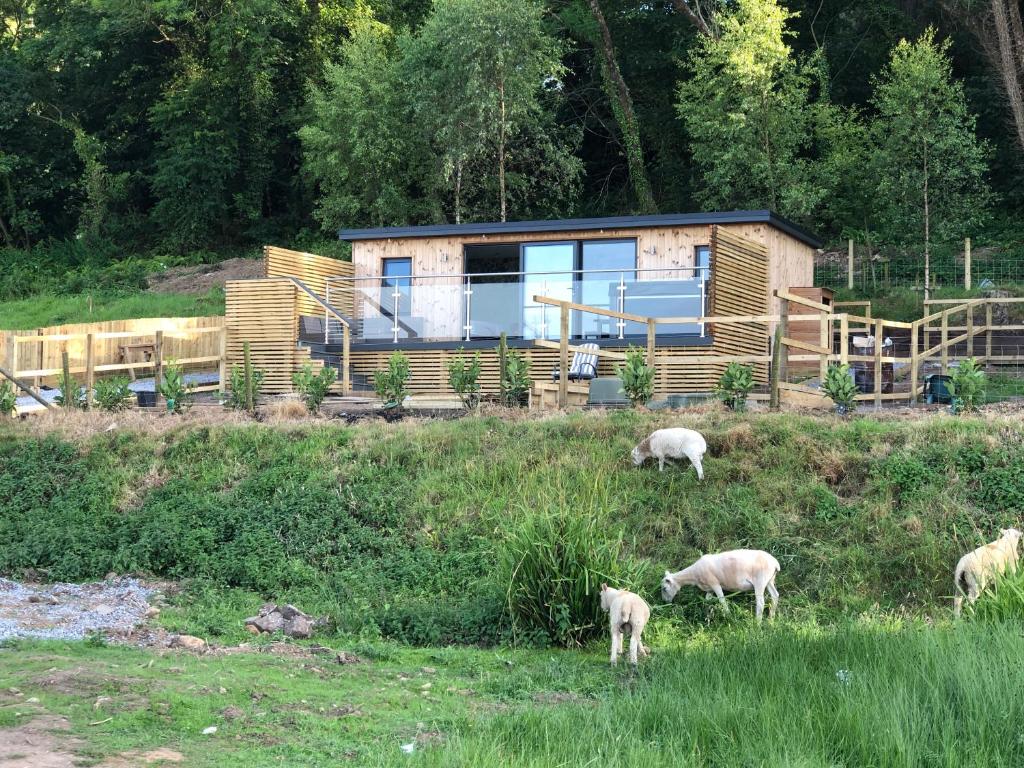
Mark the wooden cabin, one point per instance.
(431, 291)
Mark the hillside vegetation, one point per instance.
(398, 530)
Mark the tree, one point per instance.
(748, 111)
(358, 147)
(929, 163)
(477, 70)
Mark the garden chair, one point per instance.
(583, 366)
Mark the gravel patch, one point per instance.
(71, 611)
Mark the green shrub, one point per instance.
(552, 565)
(235, 398)
(463, 378)
(734, 386)
(967, 385)
(839, 386)
(516, 382)
(313, 387)
(637, 377)
(8, 398)
(390, 384)
(112, 394)
(72, 394)
(175, 392)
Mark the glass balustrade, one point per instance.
(480, 307)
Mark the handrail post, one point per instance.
(563, 356)
(879, 332)
(90, 368)
(914, 329)
(620, 323)
(397, 295)
(970, 330)
(467, 291)
(346, 376)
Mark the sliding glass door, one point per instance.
(549, 272)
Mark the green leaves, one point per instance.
(840, 387)
(735, 384)
(313, 387)
(967, 385)
(637, 377)
(463, 378)
(390, 384)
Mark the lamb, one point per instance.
(672, 444)
(976, 569)
(627, 612)
(738, 569)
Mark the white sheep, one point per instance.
(976, 569)
(738, 569)
(672, 444)
(627, 612)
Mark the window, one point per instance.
(607, 266)
(702, 258)
(398, 278)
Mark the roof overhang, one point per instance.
(579, 225)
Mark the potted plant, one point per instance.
(735, 384)
(840, 388)
(637, 376)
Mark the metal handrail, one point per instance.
(352, 278)
(346, 323)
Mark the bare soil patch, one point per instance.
(42, 742)
(200, 279)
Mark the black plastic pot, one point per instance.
(146, 399)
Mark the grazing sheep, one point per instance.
(976, 569)
(672, 444)
(627, 613)
(739, 569)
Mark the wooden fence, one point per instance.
(837, 330)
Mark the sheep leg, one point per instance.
(721, 596)
(695, 459)
(661, 463)
(616, 646)
(774, 594)
(758, 601)
(634, 647)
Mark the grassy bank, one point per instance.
(47, 309)
(403, 531)
(894, 694)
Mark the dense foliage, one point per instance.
(399, 530)
(176, 127)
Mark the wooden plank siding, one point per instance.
(312, 270)
(265, 313)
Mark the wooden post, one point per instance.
(844, 339)
(222, 366)
(967, 263)
(502, 358)
(11, 361)
(824, 341)
(563, 356)
(346, 374)
(90, 369)
(158, 362)
(945, 339)
(652, 330)
(24, 388)
(40, 357)
(926, 329)
(913, 362)
(988, 328)
(970, 331)
(879, 331)
(69, 398)
(777, 356)
(783, 330)
(247, 362)
(849, 264)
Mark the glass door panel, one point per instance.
(549, 272)
(608, 266)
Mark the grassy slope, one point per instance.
(406, 523)
(44, 310)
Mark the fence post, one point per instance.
(945, 339)
(11, 361)
(40, 357)
(222, 366)
(849, 264)
(970, 331)
(988, 329)
(967, 263)
(913, 362)
(346, 374)
(844, 339)
(68, 398)
(90, 368)
(247, 362)
(824, 341)
(783, 331)
(563, 355)
(158, 362)
(773, 382)
(879, 331)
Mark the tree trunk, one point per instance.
(458, 191)
(622, 107)
(1008, 58)
(501, 152)
(694, 18)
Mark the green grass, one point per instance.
(48, 309)
(872, 693)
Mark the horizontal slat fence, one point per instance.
(313, 271)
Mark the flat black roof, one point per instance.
(567, 225)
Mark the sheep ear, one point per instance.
(604, 587)
(668, 573)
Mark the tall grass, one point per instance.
(1002, 601)
(785, 695)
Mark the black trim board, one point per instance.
(576, 225)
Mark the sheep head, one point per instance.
(1012, 535)
(641, 452)
(669, 587)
